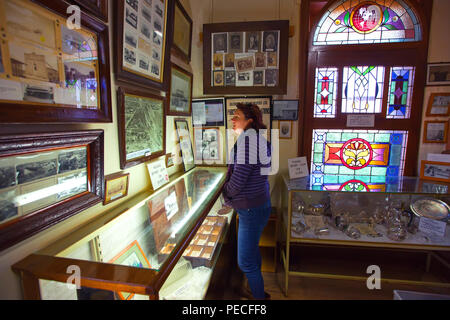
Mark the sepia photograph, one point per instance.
(218, 61)
(260, 60)
(131, 39)
(133, 4)
(270, 41)
(219, 42)
(438, 74)
(253, 41)
(229, 60)
(235, 42)
(8, 209)
(438, 104)
(244, 63)
(433, 170)
(218, 78)
(207, 143)
(116, 187)
(435, 131)
(272, 59)
(145, 31)
(72, 160)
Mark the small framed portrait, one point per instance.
(272, 59)
(235, 41)
(435, 132)
(270, 41)
(438, 104)
(169, 160)
(253, 41)
(258, 78)
(285, 129)
(434, 170)
(218, 78)
(220, 42)
(218, 61)
(229, 60)
(438, 74)
(271, 77)
(180, 94)
(116, 187)
(285, 110)
(230, 78)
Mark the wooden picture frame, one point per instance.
(182, 33)
(285, 127)
(47, 178)
(142, 126)
(434, 170)
(185, 143)
(438, 104)
(62, 76)
(97, 8)
(438, 74)
(438, 134)
(180, 92)
(116, 187)
(132, 256)
(143, 61)
(260, 61)
(285, 110)
(169, 160)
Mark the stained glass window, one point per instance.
(360, 21)
(363, 154)
(362, 89)
(400, 92)
(325, 92)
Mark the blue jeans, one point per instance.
(251, 224)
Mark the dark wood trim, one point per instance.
(169, 93)
(28, 225)
(20, 112)
(99, 9)
(124, 90)
(125, 77)
(281, 25)
(175, 48)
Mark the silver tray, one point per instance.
(431, 208)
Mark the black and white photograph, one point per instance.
(8, 209)
(230, 77)
(42, 94)
(129, 56)
(7, 176)
(435, 131)
(130, 39)
(244, 78)
(219, 43)
(270, 41)
(72, 184)
(131, 18)
(253, 41)
(133, 4)
(433, 170)
(157, 25)
(235, 41)
(155, 69)
(159, 10)
(271, 77)
(258, 78)
(156, 39)
(438, 74)
(438, 104)
(146, 14)
(72, 160)
(31, 171)
(145, 30)
(285, 110)
(143, 62)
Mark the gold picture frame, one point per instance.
(285, 127)
(435, 170)
(438, 104)
(116, 187)
(437, 134)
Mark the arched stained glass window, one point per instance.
(359, 21)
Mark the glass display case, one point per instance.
(160, 245)
(366, 212)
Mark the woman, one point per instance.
(247, 190)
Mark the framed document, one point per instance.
(208, 112)
(142, 126)
(207, 144)
(438, 104)
(438, 74)
(116, 187)
(285, 110)
(185, 145)
(144, 32)
(435, 131)
(48, 72)
(433, 170)
(47, 178)
(245, 57)
(182, 33)
(180, 93)
(285, 129)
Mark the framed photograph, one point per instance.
(435, 131)
(438, 104)
(116, 187)
(285, 128)
(144, 32)
(245, 57)
(97, 8)
(180, 93)
(182, 33)
(185, 145)
(62, 75)
(46, 178)
(434, 170)
(426, 186)
(132, 256)
(438, 74)
(142, 126)
(208, 112)
(263, 103)
(285, 110)
(169, 160)
(207, 144)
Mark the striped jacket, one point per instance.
(247, 184)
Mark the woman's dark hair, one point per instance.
(252, 111)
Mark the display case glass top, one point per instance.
(350, 183)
